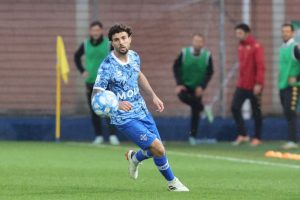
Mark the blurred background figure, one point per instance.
(288, 82)
(193, 70)
(168, 28)
(250, 83)
(95, 48)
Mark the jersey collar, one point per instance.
(119, 61)
(290, 41)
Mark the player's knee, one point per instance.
(161, 151)
(157, 149)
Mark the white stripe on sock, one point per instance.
(134, 159)
(164, 167)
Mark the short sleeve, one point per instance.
(103, 76)
(137, 61)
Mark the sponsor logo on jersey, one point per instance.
(127, 94)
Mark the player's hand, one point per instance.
(180, 88)
(199, 91)
(85, 74)
(159, 104)
(257, 89)
(292, 80)
(125, 105)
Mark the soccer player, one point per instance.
(288, 83)
(95, 48)
(250, 83)
(193, 70)
(120, 73)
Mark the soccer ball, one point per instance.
(105, 103)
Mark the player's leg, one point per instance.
(289, 98)
(136, 131)
(157, 149)
(197, 108)
(161, 161)
(255, 101)
(159, 157)
(238, 99)
(96, 120)
(188, 97)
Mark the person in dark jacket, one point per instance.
(193, 70)
(250, 83)
(95, 48)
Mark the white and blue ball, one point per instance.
(105, 103)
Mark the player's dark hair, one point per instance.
(244, 27)
(199, 35)
(289, 25)
(118, 28)
(96, 23)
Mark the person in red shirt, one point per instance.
(250, 83)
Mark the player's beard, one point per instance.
(123, 52)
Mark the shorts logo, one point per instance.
(143, 137)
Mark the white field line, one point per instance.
(206, 156)
(237, 160)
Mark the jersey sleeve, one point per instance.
(103, 76)
(139, 61)
(135, 60)
(260, 64)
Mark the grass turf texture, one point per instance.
(33, 170)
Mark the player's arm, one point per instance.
(77, 59)
(294, 79)
(177, 69)
(177, 74)
(145, 86)
(297, 52)
(260, 69)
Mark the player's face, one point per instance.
(240, 34)
(286, 33)
(198, 42)
(121, 42)
(95, 32)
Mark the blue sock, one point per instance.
(164, 167)
(141, 155)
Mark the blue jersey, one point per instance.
(122, 79)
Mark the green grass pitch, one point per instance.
(41, 171)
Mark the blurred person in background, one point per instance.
(95, 48)
(288, 82)
(193, 69)
(249, 84)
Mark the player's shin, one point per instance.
(164, 167)
(141, 155)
